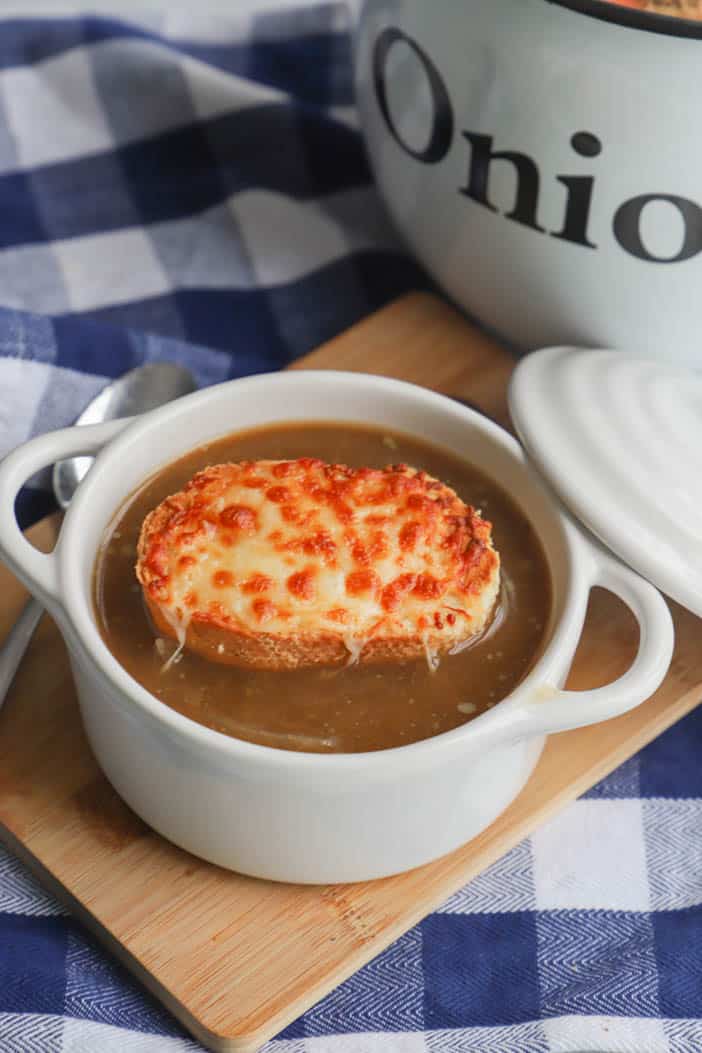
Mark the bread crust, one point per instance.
(433, 550)
(275, 652)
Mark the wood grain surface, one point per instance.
(234, 958)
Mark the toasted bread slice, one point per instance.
(284, 564)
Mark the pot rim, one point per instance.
(85, 634)
(632, 18)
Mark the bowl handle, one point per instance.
(557, 710)
(37, 570)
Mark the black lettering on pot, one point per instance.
(579, 194)
(627, 227)
(527, 172)
(442, 113)
(586, 144)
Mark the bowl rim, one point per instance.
(78, 617)
(633, 18)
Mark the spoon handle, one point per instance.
(12, 651)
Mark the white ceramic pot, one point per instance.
(308, 817)
(543, 158)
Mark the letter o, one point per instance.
(627, 227)
(442, 129)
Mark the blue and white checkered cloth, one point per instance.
(195, 189)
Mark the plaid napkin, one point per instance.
(194, 189)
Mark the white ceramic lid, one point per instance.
(619, 438)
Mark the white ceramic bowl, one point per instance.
(542, 159)
(300, 816)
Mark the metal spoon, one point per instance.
(138, 391)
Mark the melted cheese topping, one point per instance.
(304, 547)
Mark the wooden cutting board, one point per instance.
(236, 959)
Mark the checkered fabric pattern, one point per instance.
(194, 189)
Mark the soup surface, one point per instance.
(348, 709)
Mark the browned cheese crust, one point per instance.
(284, 564)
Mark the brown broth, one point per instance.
(332, 710)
